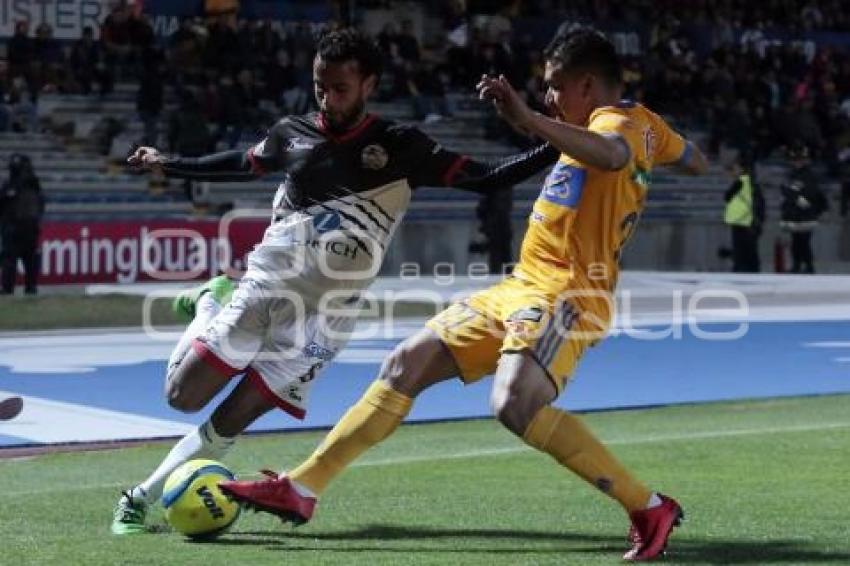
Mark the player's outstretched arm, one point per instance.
(234, 165)
(696, 162)
(484, 176)
(432, 165)
(609, 153)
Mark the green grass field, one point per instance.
(762, 483)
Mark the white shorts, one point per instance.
(279, 342)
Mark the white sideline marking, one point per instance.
(610, 442)
(44, 420)
(486, 452)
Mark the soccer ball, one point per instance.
(194, 505)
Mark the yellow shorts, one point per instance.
(512, 316)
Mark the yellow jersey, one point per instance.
(584, 216)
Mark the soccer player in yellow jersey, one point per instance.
(531, 329)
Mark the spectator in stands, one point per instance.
(303, 62)
(282, 84)
(116, 34)
(141, 33)
(22, 107)
(388, 36)
(20, 51)
(47, 63)
(426, 85)
(844, 176)
(221, 49)
(408, 43)
(5, 110)
(744, 214)
(87, 64)
(21, 209)
(229, 112)
(149, 99)
(803, 203)
(252, 118)
(219, 7)
(267, 41)
(188, 133)
(494, 224)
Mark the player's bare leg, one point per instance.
(414, 365)
(211, 440)
(189, 385)
(521, 399)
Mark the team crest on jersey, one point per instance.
(374, 157)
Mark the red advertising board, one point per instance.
(129, 252)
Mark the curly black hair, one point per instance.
(350, 44)
(586, 49)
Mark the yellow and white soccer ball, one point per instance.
(194, 505)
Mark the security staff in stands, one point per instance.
(803, 202)
(21, 210)
(744, 215)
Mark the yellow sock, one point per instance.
(566, 438)
(373, 418)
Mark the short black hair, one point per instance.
(350, 44)
(586, 49)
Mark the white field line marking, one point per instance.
(705, 435)
(485, 452)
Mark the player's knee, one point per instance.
(511, 410)
(405, 371)
(396, 369)
(514, 404)
(179, 398)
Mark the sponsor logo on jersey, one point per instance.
(293, 394)
(374, 157)
(311, 373)
(326, 221)
(320, 352)
(534, 314)
(294, 144)
(564, 185)
(343, 249)
(537, 217)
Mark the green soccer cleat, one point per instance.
(221, 287)
(130, 513)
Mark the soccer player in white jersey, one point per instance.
(348, 180)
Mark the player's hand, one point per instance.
(148, 158)
(508, 103)
(803, 202)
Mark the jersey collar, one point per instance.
(350, 134)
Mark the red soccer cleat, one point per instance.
(276, 495)
(651, 528)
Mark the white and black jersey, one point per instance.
(342, 196)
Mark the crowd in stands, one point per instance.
(750, 93)
(235, 75)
